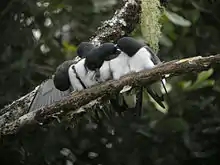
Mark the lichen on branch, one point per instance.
(150, 24)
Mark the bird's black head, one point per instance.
(83, 49)
(108, 51)
(61, 76)
(129, 45)
(96, 57)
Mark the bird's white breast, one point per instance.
(86, 76)
(141, 60)
(75, 83)
(119, 66)
(105, 72)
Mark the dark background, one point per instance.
(190, 135)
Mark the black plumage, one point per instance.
(83, 49)
(96, 57)
(61, 76)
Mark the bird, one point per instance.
(119, 67)
(62, 79)
(94, 68)
(111, 52)
(141, 57)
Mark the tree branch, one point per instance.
(78, 99)
(123, 22)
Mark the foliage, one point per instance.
(188, 133)
(188, 136)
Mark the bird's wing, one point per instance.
(156, 95)
(46, 95)
(154, 57)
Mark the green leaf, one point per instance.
(68, 46)
(203, 84)
(177, 19)
(204, 75)
(185, 84)
(202, 81)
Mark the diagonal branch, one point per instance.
(123, 22)
(78, 99)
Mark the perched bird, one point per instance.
(62, 79)
(93, 68)
(141, 57)
(119, 67)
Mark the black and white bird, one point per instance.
(141, 57)
(61, 77)
(92, 69)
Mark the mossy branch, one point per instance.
(78, 99)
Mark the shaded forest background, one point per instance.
(36, 36)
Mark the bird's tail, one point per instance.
(139, 101)
(154, 90)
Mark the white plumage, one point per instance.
(86, 76)
(105, 72)
(119, 66)
(141, 60)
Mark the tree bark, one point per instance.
(78, 99)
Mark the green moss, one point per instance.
(150, 25)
